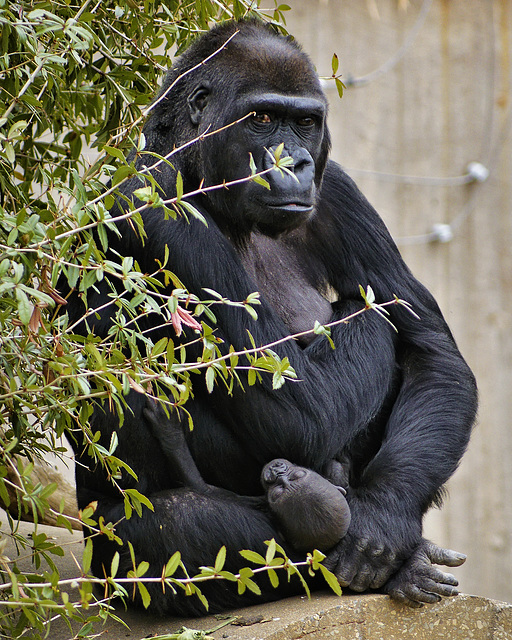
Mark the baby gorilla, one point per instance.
(311, 511)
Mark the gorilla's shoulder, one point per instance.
(341, 196)
(337, 180)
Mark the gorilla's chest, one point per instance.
(282, 277)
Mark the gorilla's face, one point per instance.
(267, 115)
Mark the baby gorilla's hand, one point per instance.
(165, 427)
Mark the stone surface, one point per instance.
(371, 617)
(328, 617)
(324, 616)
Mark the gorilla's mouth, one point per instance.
(292, 207)
(277, 217)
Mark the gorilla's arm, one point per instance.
(429, 425)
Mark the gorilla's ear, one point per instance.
(197, 101)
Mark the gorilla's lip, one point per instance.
(291, 207)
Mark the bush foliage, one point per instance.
(76, 83)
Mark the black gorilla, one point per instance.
(395, 408)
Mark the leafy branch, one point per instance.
(25, 589)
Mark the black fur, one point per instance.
(397, 409)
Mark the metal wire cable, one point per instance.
(398, 56)
(489, 146)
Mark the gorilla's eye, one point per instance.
(262, 118)
(297, 474)
(306, 122)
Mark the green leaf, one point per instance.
(142, 569)
(316, 558)
(278, 380)
(202, 599)
(210, 379)
(194, 211)
(278, 152)
(220, 559)
(123, 172)
(114, 566)
(9, 152)
(331, 580)
(179, 186)
(93, 350)
(144, 593)
(252, 556)
(4, 495)
(340, 87)
(159, 347)
(252, 165)
(251, 585)
(173, 563)
(335, 64)
(48, 490)
(87, 556)
(85, 630)
(136, 498)
(24, 306)
(146, 194)
(115, 152)
(261, 181)
(273, 577)
(271, 551)
(251, 377)
(227, 575)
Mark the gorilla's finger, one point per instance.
(363, 578)
(400, 596)
(448, 557)
(330, 562)
(377, 551)
(442, 578)
(344, 576)
(416, 594)
(362, 544)
(381, 576)
(441, 589)
(389, 558)
(345, 571)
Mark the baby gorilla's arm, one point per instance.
(311, 512)
(169, 432)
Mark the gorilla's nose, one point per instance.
(273, 470)
(303, 167)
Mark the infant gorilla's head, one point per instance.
(312, 513)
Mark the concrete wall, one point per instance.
(445, 103)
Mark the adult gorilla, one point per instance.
(396, 409)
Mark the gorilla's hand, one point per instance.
(418, 581)
(375, 546)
